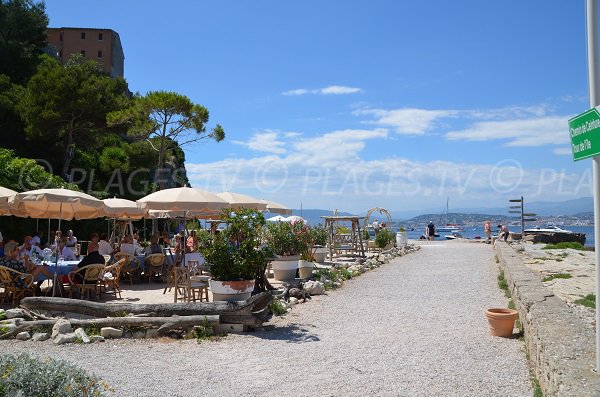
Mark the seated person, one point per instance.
(12, 261)
(154, 247)
(104, 247)
(93, 257)
(192, 242)
(127, 246)
(71, 240)
(66, 251)
(164, 240)
(28, 249)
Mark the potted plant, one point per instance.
(235, 255)
(287, 240)
(401, 237)
(501, 321)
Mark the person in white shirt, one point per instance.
(36, 240)
(66, 252)
(104, 247)
(27, 250)
(127, 246)
(71, 240)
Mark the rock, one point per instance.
(65, 338)
(293, 301)
(23, 335)
(40, 336)
(62, 326)
(110, 332)
(14, 313)
(140, 334)
(97, 338)
(152, 333)
(314, 287)
(82, 335)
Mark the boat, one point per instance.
(449, 227)
(454, 236)
(547, 229)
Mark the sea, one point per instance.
(473, 232)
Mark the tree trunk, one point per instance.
(255, 304)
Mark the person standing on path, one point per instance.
(430, 231)
(487, 228)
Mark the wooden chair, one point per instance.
(199, 288)
(107, 259)
(15, 284)
(90, 280)
(155, 265)
(181, 283)
(112, 277)
(131, 266)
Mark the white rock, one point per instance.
(97, 338)
(62, 326)
(23, 335)
(40, 336)
(80, 332)
(293, 301)
(14, 313)
(314, 287)
(65, 338)
(110, 332)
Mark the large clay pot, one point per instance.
(502, 321)
(284, 267)
(231, 291)
(401, 239)
(320, 254)
(305, 268)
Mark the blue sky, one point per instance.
(358, 104)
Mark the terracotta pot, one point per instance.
(284, 267)
(502, 321)
(231, 291)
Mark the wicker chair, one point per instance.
(89, 281)
(15, 284)
(131, 267)
(155, 265)
(112, 277)
(107, 259)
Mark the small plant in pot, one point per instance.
(236, 254)
(384, 238)
(287, 240)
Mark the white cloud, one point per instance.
(296, 92)
(563, 151)
(407, 121)
(329, 90)
(267, 141)
(526, 132)
(337, 90)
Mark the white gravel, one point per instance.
(414, 327)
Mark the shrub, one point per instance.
(559, 275)
(277, 308)
(587, 301)
(564, 245)
(25, 375)
(383, 238)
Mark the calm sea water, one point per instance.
(473, 232)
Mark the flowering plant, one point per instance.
(287, 238)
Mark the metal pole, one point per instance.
(592, 52)
(522, 218)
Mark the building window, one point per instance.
(82, 53)
(100, 54)
(100, 36)
(82, 35)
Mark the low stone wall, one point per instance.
(561, 346)
(555, 238)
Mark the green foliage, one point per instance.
(203, 331)
(503, 285)
(2, 316)
(564, 245)
(22, 37)
(25, 375)
(237, 252)
(114, 158)
(342, 230)
(25, 174)
(383, 238)
(277, 308)
(288, 238)
(587, 301)
(558, 275)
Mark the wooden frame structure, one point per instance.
(352, 242)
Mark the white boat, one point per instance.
(454, 236)
(449, 227)
(546, 229)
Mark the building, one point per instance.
(101, 45)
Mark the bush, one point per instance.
(383, 238)
(25, 375)
(564, 245)
(587, 301)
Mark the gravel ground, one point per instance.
(414, 327)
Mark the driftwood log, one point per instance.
(165, 324)
(253, 311)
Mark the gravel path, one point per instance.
(414, 327)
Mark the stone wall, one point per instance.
(561, 346)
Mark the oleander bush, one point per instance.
(30, 376)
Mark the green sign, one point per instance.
(585, 134)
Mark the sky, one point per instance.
(351, 105)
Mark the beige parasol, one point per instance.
(122, 208)
(62, 204)
(184, 202)
(277, 208)
(5, 194)
(238, 200)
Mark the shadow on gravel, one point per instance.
(291, 333)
